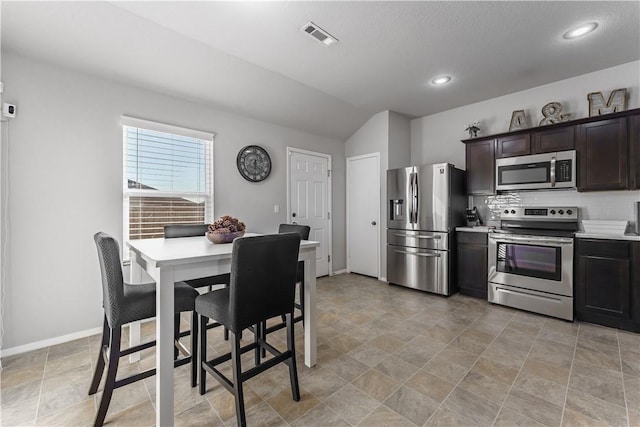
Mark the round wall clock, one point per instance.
(254, 163)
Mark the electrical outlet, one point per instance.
(276, 208)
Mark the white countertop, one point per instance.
(478, 229)
(632, 237)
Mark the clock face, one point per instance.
(254, 163)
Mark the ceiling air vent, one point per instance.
(318, 34)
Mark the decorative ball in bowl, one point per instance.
(225, 229)
(223, 237)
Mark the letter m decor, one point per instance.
(617, 102)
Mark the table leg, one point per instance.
(135, 276)
(164, 346)
(309, 307)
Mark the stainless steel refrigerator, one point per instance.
(424, 205)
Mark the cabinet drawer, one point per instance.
(470, 237)
(604, 248)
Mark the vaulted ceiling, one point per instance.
(252, 59)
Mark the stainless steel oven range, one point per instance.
(530, 260)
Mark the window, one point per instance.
(168, 177)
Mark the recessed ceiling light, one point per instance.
(580, 30)
(440, 80)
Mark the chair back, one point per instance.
(185, 230)
(302, 230)
(263, 277)
(112, 279)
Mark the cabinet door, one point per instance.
(513, 145)
(551, 140)
(472, 267)
(603, 155)
(634, 152)
(481, 167)
(635, 286)
(603, 282)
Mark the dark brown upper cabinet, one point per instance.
(607, 151)
(603, 155)
(552, 140)
(480, 163)
(513, 145)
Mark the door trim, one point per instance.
(375, 155)
(290, 152)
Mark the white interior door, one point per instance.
(310, 200)
(363, 214)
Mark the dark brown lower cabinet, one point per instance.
(472, 263)
(607, 283)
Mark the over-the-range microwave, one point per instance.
(537, 172)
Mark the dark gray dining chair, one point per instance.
(194, 230)
(303, 232)
(263, 274)
(124, 303)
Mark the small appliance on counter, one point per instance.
(473, 217)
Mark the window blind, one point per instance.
(168, 179)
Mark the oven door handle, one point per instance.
(544, 240)
(530, 295)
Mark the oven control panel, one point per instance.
(540, 213)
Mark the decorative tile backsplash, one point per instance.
(615, 205)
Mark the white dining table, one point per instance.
(168, 261)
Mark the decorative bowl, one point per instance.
(223, 237)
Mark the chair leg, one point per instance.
(301, 284)
(176, 334)
(237, 380)
(194, 348)
(203, 354)
(293, 368)
(97, 376)
(114, 357)
(263, 335)
(257, 336)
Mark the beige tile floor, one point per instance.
(387, 356)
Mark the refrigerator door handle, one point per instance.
(418, 254)
(417, 237)
(414, 198)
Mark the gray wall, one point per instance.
(387, 133)
(65, 183)
(399, 141)
(436, 138)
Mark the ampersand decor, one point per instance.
(552, 114)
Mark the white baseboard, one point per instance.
(383, 279)
(48, 342)
(343, 271)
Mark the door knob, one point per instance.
(373, 223)
(293, 214)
